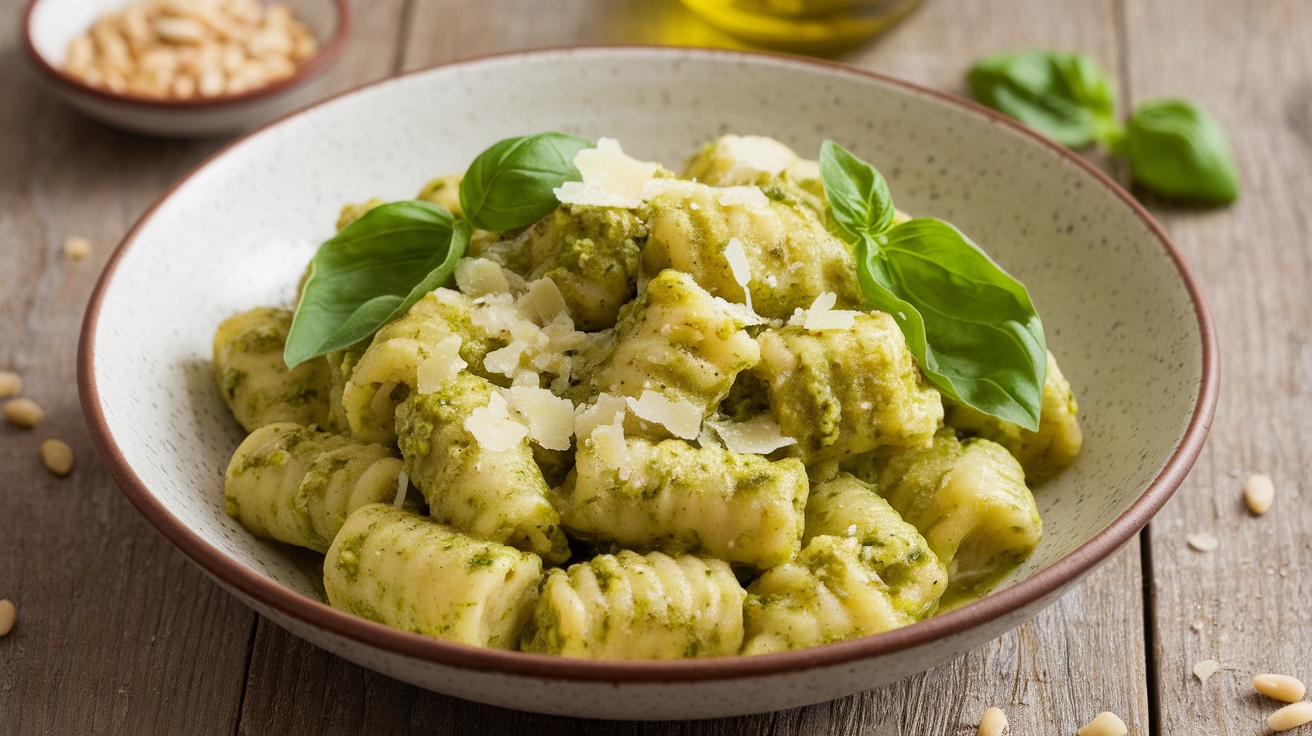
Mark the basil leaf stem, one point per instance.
(1177, 149)
(971, 326)
(1066, 96)
(510, 185)
(371, 273)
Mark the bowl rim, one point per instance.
(1042, 584)
(329, 51)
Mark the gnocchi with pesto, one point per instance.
(656, 423)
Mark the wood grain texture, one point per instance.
(1245, 604)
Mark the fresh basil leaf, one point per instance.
(371, 273)
(510, 185)
(1066, 96)
(983, 342)
(1178, 150)
(858, 195)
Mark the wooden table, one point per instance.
(118, 633)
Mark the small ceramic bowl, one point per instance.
(1123, 315)
(49, 26)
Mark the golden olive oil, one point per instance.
(812, 26)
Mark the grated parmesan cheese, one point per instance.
(741, 268)
(608, 409)
(549, 418)
(611, 178)
(440, 366)
(753, 155)
(683, 419)
(749, 196)
(479, 276)
(823, 316)
(492, 426)
(757, 436)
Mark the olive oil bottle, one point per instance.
(808, 26)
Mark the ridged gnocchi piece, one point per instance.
(592, 254)
(388, 369)
(1043, 454)
(444, 191)
(415, 574)
(791, 258)
(827, 594)
(253, 379)
(632, 606)
(969, 500)
(494, 494)
(677, 340)
(297, 484)
(679, 499)
(843, 392)
(892, 548)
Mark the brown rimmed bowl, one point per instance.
(50, 25)
(1123, 316)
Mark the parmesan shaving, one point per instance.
(492, 426)
(547, 300)
(441, 366)
(402, 485)
(611, 449)
(749, 196)
(753, 155)
(757, 436)
(681, 188)
(1206, 669)
(823, 316)
(608, 409)
(549, 418)
(505, 361)
(611, 178)
(479, 276)
(683, 419)
(741, 268)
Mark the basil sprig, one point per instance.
(1175, 148)
(1065, 96)
(371, 273)
(377, 267)
(510, 185)
(1179, 150)
(971, 327)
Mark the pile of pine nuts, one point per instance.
(183, 49)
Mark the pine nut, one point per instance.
(1203, 542)
(57, 456)
(184, 87)
(10, 384)
(179, 30)
(994, 723)
(77, 248)
(211, 83)
(1259, 493)
(1106, 724)
(81, 52)
(8, 614)
(24, 413)
(1290, 716)
(1280, 687)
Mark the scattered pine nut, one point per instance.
(1106, 724)
(75, 249)
(1206, 669)
(24, 413)
(1280, 687)
(1203, 542)
(7, 616)
(994, 723)
(57, 456)
(10, 384)
(1259, 493)
(1290, 716)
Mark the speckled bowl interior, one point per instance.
(1122, 317)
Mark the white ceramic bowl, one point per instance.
(1123, 316)
(49, 26)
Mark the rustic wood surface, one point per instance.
(118, 633)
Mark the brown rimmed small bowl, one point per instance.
(50, 25)
(1123, 315)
